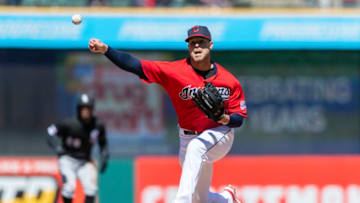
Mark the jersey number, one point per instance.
(73, 142)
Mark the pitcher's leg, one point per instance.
(219, 142)
(210, 146)
(203, 185)
(191, 168)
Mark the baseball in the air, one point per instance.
(76, 19)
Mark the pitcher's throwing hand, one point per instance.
(97, 46)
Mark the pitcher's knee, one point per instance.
(196, 147)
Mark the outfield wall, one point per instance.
(259, 179)
(37, 180)
(154, 179)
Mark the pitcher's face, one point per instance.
(199, 48)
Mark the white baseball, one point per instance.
(76, 19)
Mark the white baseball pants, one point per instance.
(71, 169)
(196, 156)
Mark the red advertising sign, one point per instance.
(259, 179)
(118, 95)
(36, 179)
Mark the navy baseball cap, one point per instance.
(198, 31)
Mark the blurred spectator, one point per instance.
(212, 3)
(278, 3)
(324, 3)
(240, 3)
(184, 3)
(206, 3)
(122, 3)
(13, 2)
(50, 3)
(193, 2)
(97, 2)
(153, 3)
(332, 3)
(349, 3)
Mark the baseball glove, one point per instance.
(209, 101)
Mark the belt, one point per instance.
(190, 132)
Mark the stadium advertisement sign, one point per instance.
(118, 95)
(259, 179)
(32, 180)
(131, 110)
(301, 104)
(163, 32)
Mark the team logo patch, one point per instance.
(242, 105)
(188, 92)
(196, 28)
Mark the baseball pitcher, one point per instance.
(209, 102)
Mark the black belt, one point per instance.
(190, 132)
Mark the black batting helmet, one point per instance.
(85, 100)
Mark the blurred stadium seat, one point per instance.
(54, 3)
(279, 3)
(187, 3)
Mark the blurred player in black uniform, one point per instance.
(72, 141)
